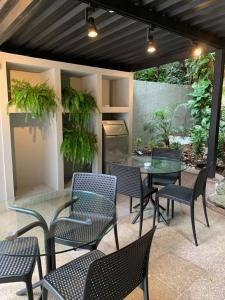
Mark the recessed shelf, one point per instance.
(115, 92)
(115, 109)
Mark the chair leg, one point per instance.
(44, 293)
(141, 217)
(145, 288)
(172, 208)
(131, 204)
(179, 180)
(29, 290)
(193, 224)
(116, 237)
(168, 207)
(155, 209)
(158, 214)
(205, 210)
(39, 265)
(53, 256)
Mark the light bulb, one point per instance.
(197, 51)
(151, 47)
(92, 30)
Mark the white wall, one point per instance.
(28, 151)
(49, 157)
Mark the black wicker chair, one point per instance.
(17, 259)
(102, 184)
(96, 276)
(129, 183)
(165, 179)
(186, 196)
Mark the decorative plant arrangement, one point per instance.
(200, 71)
(79, 144)
(37, 100)
(197, 72)
(159, 127)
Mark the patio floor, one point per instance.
(178, 269)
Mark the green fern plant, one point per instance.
(79, 104)
(37, 100)
(79, 144)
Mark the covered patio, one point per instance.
(90, 50)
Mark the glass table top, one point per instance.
(88, 207)
(150, 165)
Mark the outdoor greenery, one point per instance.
(79, 144)
(221, 139)
(197, 72)
(170, 73)
(200, 74)
(159, 128)
(37, 100)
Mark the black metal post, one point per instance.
(215, 111)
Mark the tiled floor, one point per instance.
(178, 269)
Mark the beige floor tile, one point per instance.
(175, 272)
(157, 291)
(208, 287)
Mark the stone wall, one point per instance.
(152, 96)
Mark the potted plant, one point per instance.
(79, 143)
(37, 100)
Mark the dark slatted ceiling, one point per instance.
(56, 29)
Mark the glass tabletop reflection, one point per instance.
(150, 165)
(87, 208)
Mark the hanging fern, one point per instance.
(38, 100)
(79, 104)
(79, 145)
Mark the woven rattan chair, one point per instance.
(96, 276)
(129, 183)
(64, 233)
(186, 196)
(17, 261)
(165, 179)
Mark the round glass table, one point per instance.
(88, 213)
(150, 165)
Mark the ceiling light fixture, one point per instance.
(91, 27)
(151, 44)
(197, 50)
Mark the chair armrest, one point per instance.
(33, 213)
(14, 235)
(70, 220)
(61, 208)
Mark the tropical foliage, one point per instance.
(79, 143)
(174, 73)
(159, 127)
(37, 101)
(200, 74)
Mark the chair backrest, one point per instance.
(200, 183)
(116, 275)
(101, 184)
(128, 180)
(166, 152)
